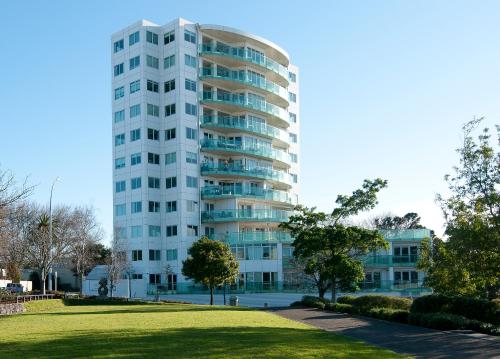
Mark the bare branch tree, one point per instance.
(118, 264)
(10, 193)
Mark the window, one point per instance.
(170, 158)
(135, 135)
(190, 85)
(171, 231)
(189, 60)
(121, 232)
(153, 182)
(136, 231)
(293, 137)
(190, 109)
(136, 183)
(153, 158)
(293, 157)
(191, 182)
(134, 62)
(152, 61)
(137, 255)
(151, 37)
(292, 77)
(171, 254)
(120, 186)
(190, 36)
(169, 61)
(170, 134)
(153, 134)
(153, 110)
(154, 207)
(169, 85)
(154, 279)
(168, 37)
(119, 92)
(136, 276)
(170, 110)
(292, 97)
(170, 182)
(191, 205)
(119, 116)
(120, 210)
(190, 133)
(294, 177)
(135, 86)
(133, 38)
(154, 231)
(191, 157)
(192, 230)
(135, 159)
(293, 117)
(120, 162)
(152, 86)
(171, 206)
(135, 110)
(119, 139)
(118, 69)
(136, 207)
(118, 46)
(154, 254)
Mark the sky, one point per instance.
(385, 87)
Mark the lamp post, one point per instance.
(50, 230)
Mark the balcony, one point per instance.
(393, 285)
(239, 191)
(405, 234)
(278, 157)
(236, 80)
(245, 215)
(278, 178)
(232, 101)
(234, 56)
(391, 261)
(253, 237)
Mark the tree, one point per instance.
(410, 220)
(211, 263)
(332, 249)
(117, 264)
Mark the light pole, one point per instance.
(50, 231)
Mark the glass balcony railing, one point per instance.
(253, 237)
(390, 261)
(242, 54)
(245, 124)
(242, 77)
(392, 285)
(245, 102)
(221, 192)
(233, 215)
(240, 170)
(405, 234)
(244, 147)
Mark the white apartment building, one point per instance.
(205, 142)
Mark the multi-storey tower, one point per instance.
(205, 142)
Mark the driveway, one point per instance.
(406, 339)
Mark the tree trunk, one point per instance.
(43, 281)
(334, 290)
(211, 295)
(321, 291)
(81, 283)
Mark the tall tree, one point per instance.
(410, 220)
(211, 263)
(118, 264)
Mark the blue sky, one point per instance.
(385, 87)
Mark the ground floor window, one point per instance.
(154, 278)
(172, 282)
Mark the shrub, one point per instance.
(297, 304)
(442, 321)
(393, 315)
(314, 302)
(346, 299)
(366, 302)
(340, 308)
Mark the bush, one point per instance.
(314, 302)
(346, 299)
(297, 304)
(442, 321)
(6, 295)
(393, 315)
(367, 302)
(340, 308)
(481, 327)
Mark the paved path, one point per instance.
(411, 340)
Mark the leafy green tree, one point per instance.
(410, 220)
(332, 249)
(211, 263)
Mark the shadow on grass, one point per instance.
(219, 342)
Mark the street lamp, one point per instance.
(50, 229)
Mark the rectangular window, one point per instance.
(134, 62)
(169, 61)
(118, 46)
(151, 37)
(136, 207)
(171, 231)
(189, 60)
(191, 182)
(153, 182)
(154, 231)
(153, 158)
(152, 62)
(119, 116)
(169, 85)
(170, 110)
(168, 37)
(135, 86)
(120, 210)
(171, 206)
(153, 134)
(294, 177)
(170, 182)
(190, 133)
(154, 278)
(119, 139)
(170, 158)
(191, 157)
(153, 110)
(136, 231)
(154, 254)
(136, 183)
(190, 85)
(135, 159)
(293, 117)
(292, 77)
(293, 137)
(121, 232)
(119, 92)
(120, 186)
(191, 205)
(136, 276)
(210, 232)
(190, 109)
(152, 86)
(292, 97)
(171, 254)
(137, 255)
(192, 230)
(293, 157)
(190, 36)
(120, 162)
(170, 134)
(135, 110)
(118, 69)
(135, 135)
(133, 38)
(154, 207)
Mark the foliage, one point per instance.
(341, 308)
(367, 302)
(346, 299)
(393, 315)
(118, 264)
(6, 295)
(442, 321)
(211, 263)
(410, 220)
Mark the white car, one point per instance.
(15, 287)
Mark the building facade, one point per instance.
(205, 142)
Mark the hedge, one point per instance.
(393, 315)
(367, 302)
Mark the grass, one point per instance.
(52, 329)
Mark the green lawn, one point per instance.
(51, 329)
